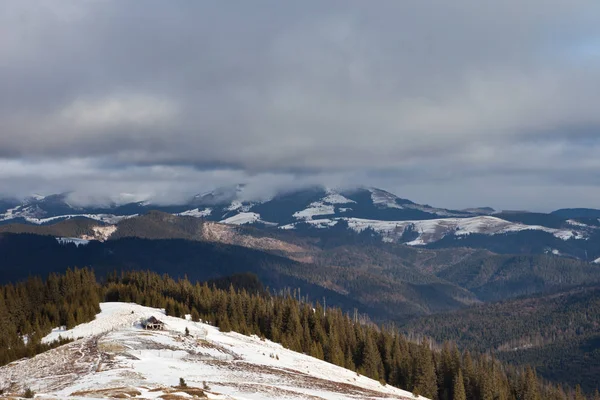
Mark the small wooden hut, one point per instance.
(154, 324)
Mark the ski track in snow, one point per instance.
(116, 354)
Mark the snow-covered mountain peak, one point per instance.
(384, 199)
(335, 197)
(220, 195)
(37, 197)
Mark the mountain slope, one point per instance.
(577, 213)
(498, 277)
(82, 228)
(117, 358)
(382, 293)
(557, 332)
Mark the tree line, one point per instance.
(31, 308)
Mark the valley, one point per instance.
(413, 273)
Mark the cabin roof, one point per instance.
(154, 320)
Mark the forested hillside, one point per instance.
(498, 277)
(325, 333)
(557, 333)
(388, 281)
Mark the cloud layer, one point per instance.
(451, 103)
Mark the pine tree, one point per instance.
(530, 389)
(459, 387)
(425, 376)
(316, 351)
(348, 360)
(445, 373)
(371, 359)
(224, 324)
(170, 308)
(71, 322)
(486, 388)
(306, 339)
(469, 375)
(578, 394)
(195, 315)
(560, 393)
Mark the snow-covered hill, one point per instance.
(115, 357)
(228, 205)
(430, 231)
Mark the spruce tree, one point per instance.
(170, 308)
(459, 387)
(578, 394)
(425, 376)
(195, 315)
(469, 375)
(334, 353)
(445, 373)
(530, 386)
(371, 359)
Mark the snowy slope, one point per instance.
(314, 209)
(245, 218)
(596, 261)
(115, 357)
(430, 231)
(196, 212)
(325, 206)
(382, 198)
(107, 218)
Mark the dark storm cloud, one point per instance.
(170, 97)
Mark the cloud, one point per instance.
(117, 112)
(411, 95)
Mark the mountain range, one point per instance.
(567, 232)
(363, 250)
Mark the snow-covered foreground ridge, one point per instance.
(115, 357)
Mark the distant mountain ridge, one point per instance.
(568, 232)
(223, 203)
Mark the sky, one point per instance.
(455, 104)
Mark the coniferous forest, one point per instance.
(30, 309)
